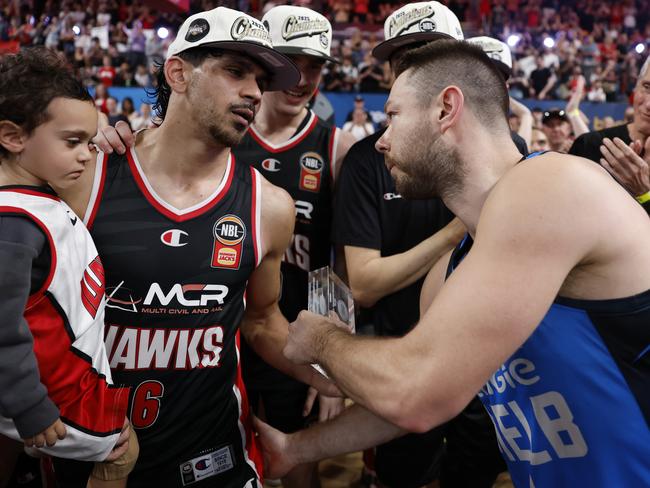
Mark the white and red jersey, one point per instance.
(66, 319)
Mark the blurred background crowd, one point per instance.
(555, 45)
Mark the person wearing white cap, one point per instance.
(298, 152)
(538, 309)
(499, 52)
(192, 240)
(390, 244)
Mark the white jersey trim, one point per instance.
(97, 184)
(257, 181)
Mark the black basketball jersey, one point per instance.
(175, 286)
(304, 167)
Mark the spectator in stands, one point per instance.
(557, 128)
(142, 77)
(596, 92)
(114, 114)
(360, 127)
(142, 119)
(624, 150)
(107, 73)
(542, 80)
(539, 141)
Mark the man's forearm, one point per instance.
(353, 430)
(382, 276)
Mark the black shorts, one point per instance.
(410, 461)
(282, 405)
(472, 457)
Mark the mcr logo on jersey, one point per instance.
(311, 169)
(229, 233)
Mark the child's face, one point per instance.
(57, 151)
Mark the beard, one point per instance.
(428, 169)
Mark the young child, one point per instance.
(56, 392)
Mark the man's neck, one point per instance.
(635, 135)
(278, 127)
(175, 151)
(486, 163)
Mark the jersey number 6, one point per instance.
(146, 404)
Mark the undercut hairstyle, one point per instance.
(162, 91)
(437, 65)
(645, 67)
(29, 81)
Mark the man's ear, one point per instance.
(449, 106)
(176, 74)
(12, 136)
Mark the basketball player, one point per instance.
(300, 153)
(192, 241)
(390, 245)
(546, 315)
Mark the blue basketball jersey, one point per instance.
(571, 406)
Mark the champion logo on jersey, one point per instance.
(229, 233)
(174, 238)
(311, 168)
(391, 196)
(272, 165)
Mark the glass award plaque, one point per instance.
(327, 293)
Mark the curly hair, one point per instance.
(29, 81)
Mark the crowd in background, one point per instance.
(554, 44)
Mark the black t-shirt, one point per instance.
(539, 78)
(369, 213)
(588, 145)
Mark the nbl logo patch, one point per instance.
(229, 233)
(311, 169)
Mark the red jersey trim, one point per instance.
(36, 296)
(167, 210)
(82, 395)
(250, 444)
(294, 141)
(256, 208)
(96, 191)
(27, 191)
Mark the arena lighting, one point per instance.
(548, 42)
(513, 40)
(76, 30)
(163, 32)
(640, 47)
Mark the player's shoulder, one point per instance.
(548, 185)
(276, 201)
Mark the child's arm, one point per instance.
(23, 398)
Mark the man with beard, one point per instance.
(538, 309)
(390, 244)
(192, 241)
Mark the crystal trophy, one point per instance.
(327, 293)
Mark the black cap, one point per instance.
(554, 114)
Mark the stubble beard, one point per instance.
(428, 169)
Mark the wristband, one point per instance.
(643, 198)
(575, 112)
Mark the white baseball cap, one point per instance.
(497, 50)
(235, 31)
(417, 22)
(299, 30)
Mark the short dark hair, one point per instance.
(442, 63)
(29, 81)
(162, 91)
